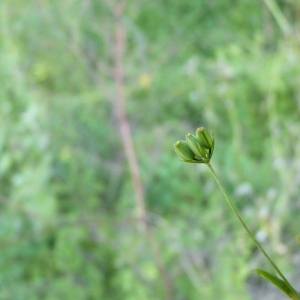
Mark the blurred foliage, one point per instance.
(67, 227)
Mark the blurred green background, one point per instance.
(68, 224)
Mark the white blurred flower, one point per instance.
(278, 163)
(243, 189)
(191, 66)
(272, 193)
(261, 235)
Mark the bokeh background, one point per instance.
(93, 95)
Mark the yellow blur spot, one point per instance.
(41, 71)
(145, 81)
(65, 154)
(150, 271)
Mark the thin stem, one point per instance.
(251, 235)
(278, 16)
(126, 136)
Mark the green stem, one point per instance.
(251, 235)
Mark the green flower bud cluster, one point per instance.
(197, 148)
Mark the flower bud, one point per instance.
(183, 150)
(205, 139)
(195, 146)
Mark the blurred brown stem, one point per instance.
(124, 127)
(130, 153)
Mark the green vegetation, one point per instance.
(71, 225)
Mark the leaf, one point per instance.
(280, 284)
